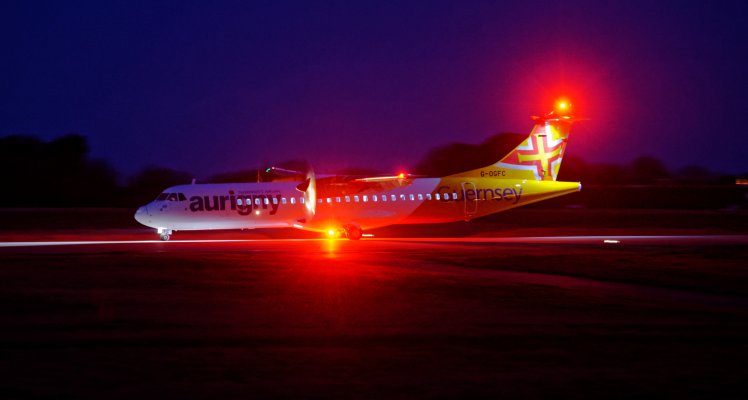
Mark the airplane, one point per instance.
(347, 206)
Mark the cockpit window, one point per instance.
(171, 197)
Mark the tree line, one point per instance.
(61, 173)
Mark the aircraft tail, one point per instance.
(537, 158)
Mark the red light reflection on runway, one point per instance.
(392, 311)
(331, 244)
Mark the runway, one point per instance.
(589, 240)
(534, 304)
(384, 317)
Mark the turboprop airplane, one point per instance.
(344, 206)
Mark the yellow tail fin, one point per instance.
(537, 158)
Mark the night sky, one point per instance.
(218, 86)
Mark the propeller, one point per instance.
(309, 188)
(310, 195)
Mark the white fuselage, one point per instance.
(281, 204)
(278, 204)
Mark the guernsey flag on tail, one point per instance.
(538, 157)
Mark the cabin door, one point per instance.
(471, 201)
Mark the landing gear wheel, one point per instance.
(164, 237)
(353, 232)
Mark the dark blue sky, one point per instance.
(217, 86)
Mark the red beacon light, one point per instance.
(561, 110)
(563, 107)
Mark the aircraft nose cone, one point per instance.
(141, 214)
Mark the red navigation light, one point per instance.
(401, 175)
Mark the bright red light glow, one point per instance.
(331, 232)
(401, 175)
(563, 105)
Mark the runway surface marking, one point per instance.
(102, 242)
(606, 240)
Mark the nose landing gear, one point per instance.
(164, 234)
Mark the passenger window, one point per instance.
(275, 200)
(428, 196)
(293, 200)
(412, 197)
(420, 196)
(384, 197)
(238, 202)
(347, 199)
(355, 199)
(301, 200)
(393, 197)
(283, 200)
(374, 198)
(402, 197)
(366, 198)
(257, 201)
(267, 201)
(337, 199)
(437, 196)
(329, 200)
(454, 195)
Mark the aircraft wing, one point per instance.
(337, 185)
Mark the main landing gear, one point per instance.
(353, 232)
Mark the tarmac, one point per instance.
(524, 311)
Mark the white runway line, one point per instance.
(102, 242)
(603, 240)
